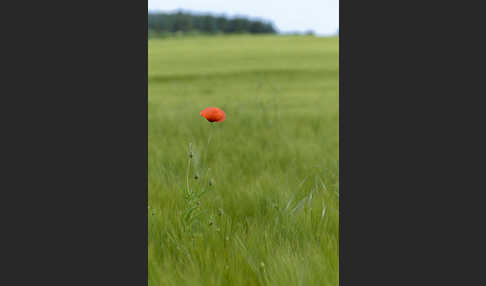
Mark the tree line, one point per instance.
(162, 23)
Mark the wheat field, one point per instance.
(253, 200)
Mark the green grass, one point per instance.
(274, 161)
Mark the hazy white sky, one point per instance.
(321, 16)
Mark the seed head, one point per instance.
(196, 176)
(211, 182)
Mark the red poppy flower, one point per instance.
(213, 114)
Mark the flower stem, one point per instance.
(187, 174)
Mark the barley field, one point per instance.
(252, 200)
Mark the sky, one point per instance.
(320, 16)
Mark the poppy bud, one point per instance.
(191, 154)
(211, 182)
(196, 176)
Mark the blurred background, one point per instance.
(320, 17)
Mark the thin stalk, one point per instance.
(209, 141)
(187, 174)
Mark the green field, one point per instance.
(270, 215)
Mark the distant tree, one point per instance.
(240, 25)
(180, 22)
(208, 24)
(257, 27)
(222, 24)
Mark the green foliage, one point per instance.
(193, 193)
(170, 23)
(271, 215)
